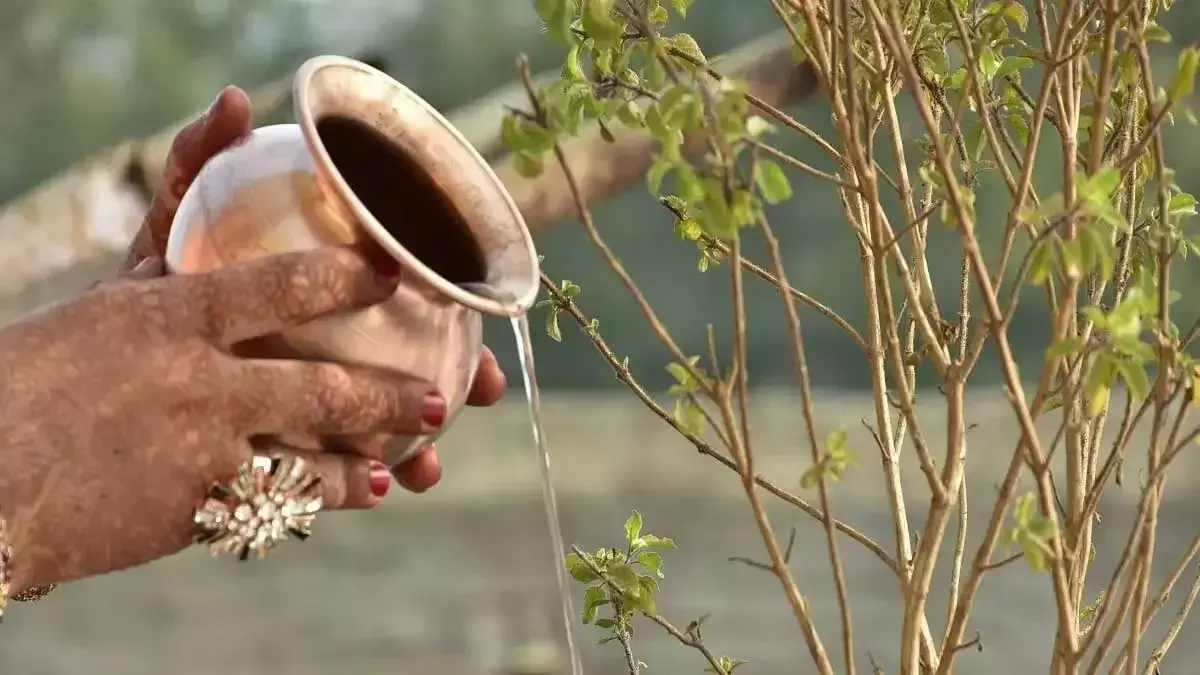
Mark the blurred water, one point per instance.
(457, 581)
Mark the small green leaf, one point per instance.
(756, 126)
(1182, 204)
(528, 164)
(1065, 347)
(572, 69)
(772, 182)
(552, 328)
(580, 571)
(655, 541)
(600, 24)
(631, 115)
(989, 63)
(1015, 12)
(593, 599)
(624, 578)
(1184, 81)
(1097, 385)
(1156, 33)
(1013, 65)
(556, 16)
(652, 561)
(681, 6)
(1135, 378)
(686, 44)
(633, 527)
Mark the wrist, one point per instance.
(13, 584)
(6, 580)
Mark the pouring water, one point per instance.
(520, 326)
(529, 375)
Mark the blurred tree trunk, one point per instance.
(74, 228)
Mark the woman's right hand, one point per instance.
(121, 407)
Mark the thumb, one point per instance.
(226, 121)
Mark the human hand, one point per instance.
(124, 405)
(226, 123)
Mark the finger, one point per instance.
(264, 296)
(148, 268)
(490, 382)
(225, 122)
(347, 481)
(275, 396)
(421, 472)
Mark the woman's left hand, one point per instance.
(226, 123)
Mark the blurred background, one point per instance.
(460, 580)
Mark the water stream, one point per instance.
(525, 352)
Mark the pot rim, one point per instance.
(496, 192)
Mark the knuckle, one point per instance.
(388, 400)
(343, 258)
(334, 484)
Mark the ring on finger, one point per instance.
(270, 500)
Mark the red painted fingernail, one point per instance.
(433, 413)
(380, 480)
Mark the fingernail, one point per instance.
(212, 107)
(433, 413)
(380, 480)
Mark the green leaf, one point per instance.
(643, 601)
(687, 45)
(528, 164)
(989, 63)
(652, 561)
(552, 328)
(633, 527)
(1021, 126)
(1100, 186)
(1156, 33)
(631, 115)
(974, 140)
(756, 126)
(1184, 81)
(1013, 65)
(573, 69)
(1135, 378)
(1065, 347)
(556, 16)
(1041, 263)
(600, 24)
(593, 599)
(689, 416)
(656, 122)
(580, 571)
(624, 578)
(772, 182)
(659, 169)
(681, 6)
(1097, 386)
(1182, 204)
(655, 541)
(1013, 11)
